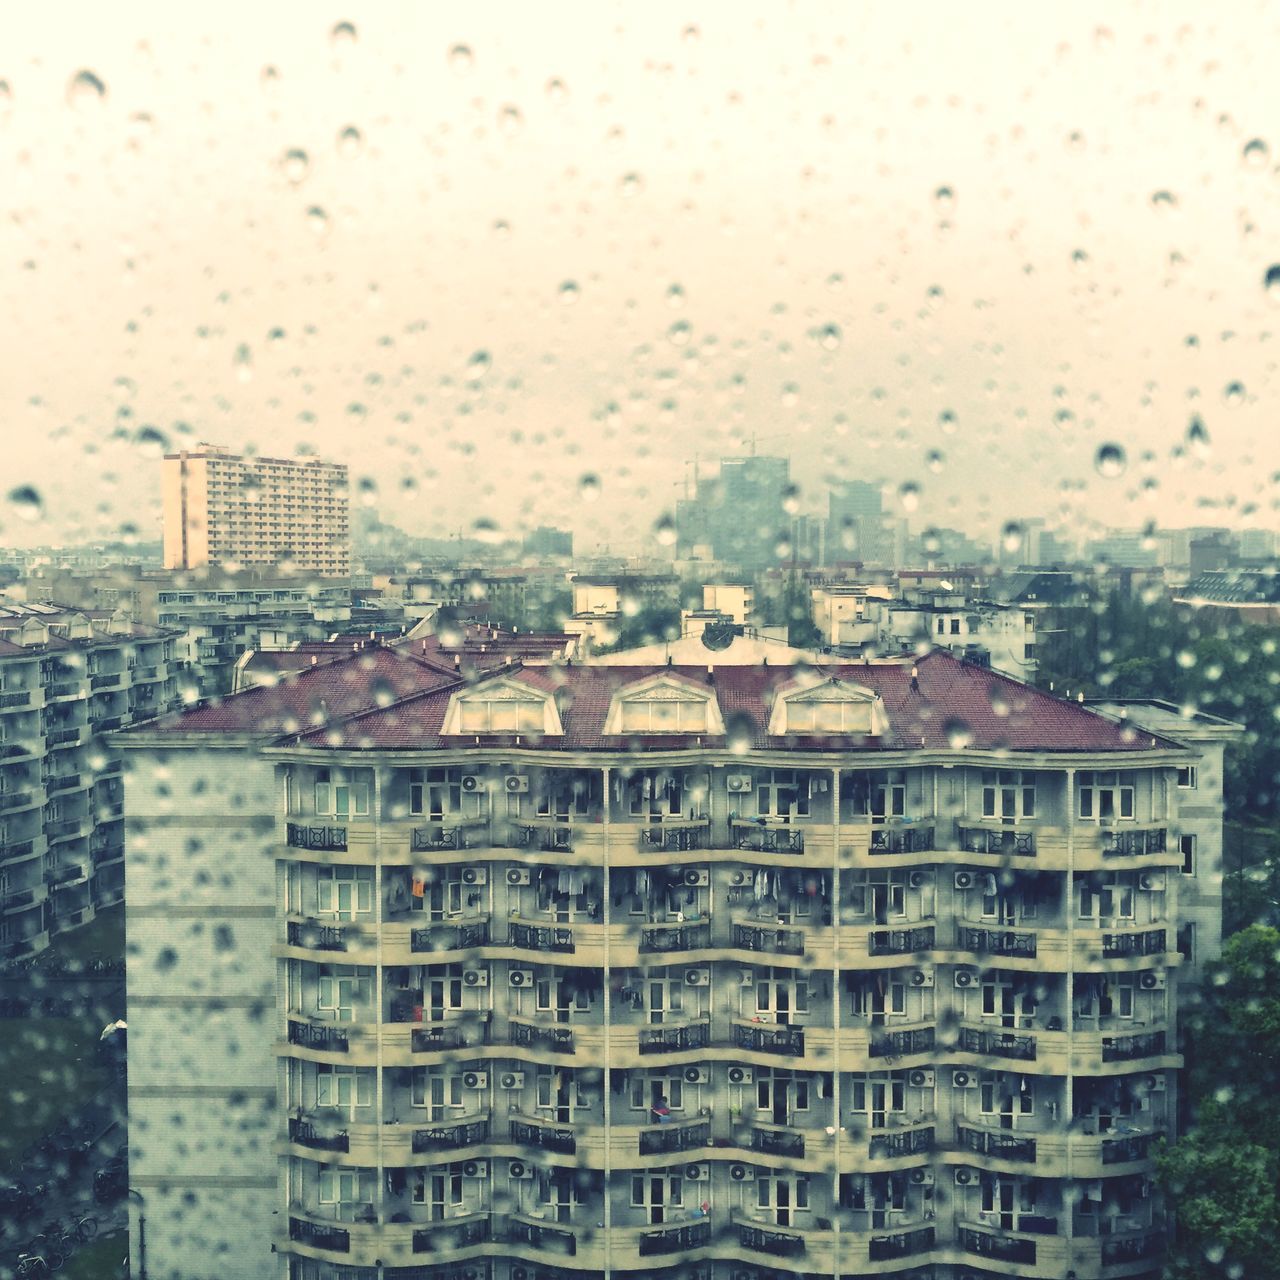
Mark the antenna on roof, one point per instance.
(314, 659)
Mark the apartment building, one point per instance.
(232, 510)
(729, 972)
(67, 679)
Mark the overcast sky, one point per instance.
(957, 248)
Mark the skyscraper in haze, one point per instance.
(738, 518)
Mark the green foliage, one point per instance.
(647, 626)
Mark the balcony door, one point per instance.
(878, 1099)
(781, 1197)
(665, 998)
(780, 1094)
(1004, 1002)
(782, 996)
(440, 1095)
(659, 1198)
(443, 995)
(439, 1192)
(1002, 1099)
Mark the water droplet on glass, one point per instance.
(589, 487)
(959, 734)
(26, 503)
(486, 531)
(1233, 394)
(675, 296)
(150, 441)
(934, 297)
(931, 541)
(275, 335)
(1079, 260)
(791, 499)
(630, 184)
(501, 228)
(790, 394)
(947, 422)
(679, 333)
(295, 164)
(461, 59)
(6, 98)
(557, 91)
(343, 34)
(829, 337)
(85, 89)
(935, 460)
(317, 220)
(1256, 153)
(1011, 536)
(1064, 419)
(243, 361)
(367, 489)
(510, 120)
(350, 142)
(478, 365)
(569, 292)
(691, 34)
(909, 495)
(1271, 282)
(835, 282)
(269, 79)
(1163, 200)
(1198, 437)
(944, 198)
(664, 530)
(1110, 461)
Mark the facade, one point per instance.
(739, 518)
(67, 679)
(232, 510)
(658, 970)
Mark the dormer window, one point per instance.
(812, 705)
(502, 705)
(664, 704)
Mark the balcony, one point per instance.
(695, 1235)
(767, 1038)
(445, 1237)
(674, 937)
(996, 942)
(325, 839)
(19, 849)
(436, 838)
(997, 1044)
(694, 1035)
(61, 737)
(539, 1234)
(437, 1038)
(998, 840)
(63, 827)
(1126, 1150)
(1132, 1248)
(556, 1039)
(1133, 843)
(772, 940)
(903, 1244)
(64, 689)
(450, 935)
(1147, 942)
(1148, 1044)
(901, 942)
(61, 782)
(10, 800)
(683, 1135)
(313, 1035)
(107, 724)
(901, 839)
(15, 698)
(316, 937)
(902, 1044)
(674, 837)
(315, 1236)
(556, 838)
(22, 899)
(532, 937)
(772, 1241)
(67, 875)
(750, 834)
(996, 1245)
(527, 1131)
(305, 1134)
(996, 1143)
(775, 1140)
(450, 1137)
(106, 680)
(895, 1144)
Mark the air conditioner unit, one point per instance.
(694, 782)
(964, 1080)
(697, 977)
(964, 1176)
(475, 875)
(920, 1177)
(519, 1170)
(741, 1075)
(472, 782)
(922, 977)
(964, 879)
(738, 878)
(736, 783)
(1152, 980)
(475, 977)
(475, 1169)
(920, 1078)
(695, 878)
(1153, 880)
(475, 1079)
(518, 876)
(516, 782)
(746, 977)
(918, 879)
(964, 977)
(511, 1080)
(1157, 1083)
(520, 978)
(742, 1173)
(696, 1075)
(696, 1172)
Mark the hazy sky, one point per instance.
(954, 247)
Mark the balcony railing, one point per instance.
(557, 1039)
(778, 1142)
(65, 875)
(430, 839)
(1124, 1048)
(780, 1244)
(107, 680)
(1126, 1150)
(449, 937)
(435, 1038)
(901, 942)
(1130, 843)
(988, 1244)
(997, 942)
(309, 1035)
(63, 827)
(673, 838)
(107, 724)
(533, 937)
(60, 737)
(1001, 1146)
(328, 839)
(548, 839)
(982, 840)
(450, 1137)
(61, 782)
(999, 1044)
(444, 1238)
(900, 1245)
(21, 849)
(312, 1234)
(541, 1236)
(901, 839)
(770, 1039)
(14, 800)
(907, 1142)
(1132, 1248)
(674, 1039)
(1150, 942)
(319, 937)
(675, 1239)
(674, 937)
(773, 940)
(673, 1137)
(16, 698)
(761, 839)
(537, 1135)
(23, 898)
(900, 1044)
(305, 1134)
(64, 689)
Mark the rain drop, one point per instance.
(1233, 394)
(461, 59)
(486, 531)
(589, 487)
(510, 120)
(1198, 437)
(934, 297)
(909, 495)
(835, 282)
(1110, 461)
(478, 365)
(1011, 536)
(343, 33)
(85, 89)
(791, 499)
(569, 292)
(1163, 200)
(150, 441)
(1256, 153)
(1271, 282)
(664, 530)
(679, 333)
(295, 164)
(959, 734)
(26, 503)
(630, 184)
(947, 422)
(350, 142)
(243, 361)
(317, 220)
(675, 296)
(944, 198)
(931, 541)
(367, 487)
(829, 337)
(935, 460)
(557, 91)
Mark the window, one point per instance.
(1188, 777)
(433, 1089)
(1000, 1094)
(955, 626)
(664, 715)
(1111, 898)
(875, 1095)
(644, 1090)
(783, 793)
(341, 988)
(1187, 847)
(1008, 794)
(829, 715)
(342, 892)
(338, 798)
(435, 793)
(1104, 797)
(500, 715)
(343, 1087)
(655, 795)
(346, 1186)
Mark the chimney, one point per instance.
(314, 659)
